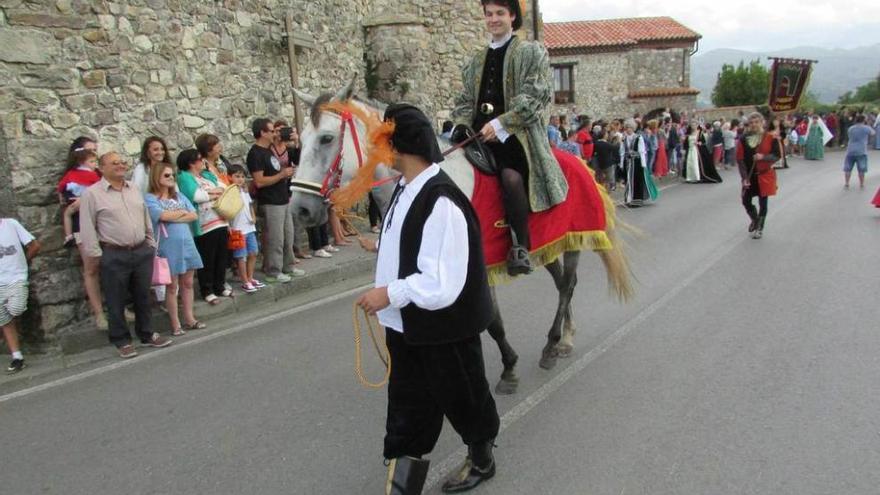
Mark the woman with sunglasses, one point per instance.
(172, 214)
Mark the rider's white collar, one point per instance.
(498, 44)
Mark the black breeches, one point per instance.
(516, 205)
(510, 157)
(750, 207)
(432, 381)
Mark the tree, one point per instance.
(742, 85)
(866, 93)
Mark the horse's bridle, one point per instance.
(333, 178)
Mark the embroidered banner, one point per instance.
(788, 81)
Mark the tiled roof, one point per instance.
(615, 32)
(657, 92)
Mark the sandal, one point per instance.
(212, 299)
(196, 325)
(178, 332)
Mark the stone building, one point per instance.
(614, 68)
(122, 70)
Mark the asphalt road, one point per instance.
(743, 367)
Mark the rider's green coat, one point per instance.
(528, 91)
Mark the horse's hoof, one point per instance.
(547, 362)
(564, 350)
(507, 386)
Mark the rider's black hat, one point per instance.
(512, 5)
(413, 132)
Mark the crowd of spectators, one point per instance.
(671, 136)
(160, 225)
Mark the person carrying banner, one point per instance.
(432, 295)
(759, 150)
(507, 90)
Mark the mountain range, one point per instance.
(838, 71)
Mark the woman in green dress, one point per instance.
(815, 140)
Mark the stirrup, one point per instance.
(518, 262)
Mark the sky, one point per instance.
(755, 25)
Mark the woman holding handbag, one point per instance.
(211, 232)
(172, 213)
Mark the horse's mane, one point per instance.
(378, 152)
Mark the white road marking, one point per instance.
(179, 346)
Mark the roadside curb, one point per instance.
(82, 347)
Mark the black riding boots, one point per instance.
(518, 261)
(479, 465)
(406, 476)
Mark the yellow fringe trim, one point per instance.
(571, 241)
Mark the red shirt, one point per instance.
(81, 176)
(586, 141)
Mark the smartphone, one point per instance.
(286, 133)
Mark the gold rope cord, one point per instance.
(385, 356)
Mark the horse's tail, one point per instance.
(616, 261)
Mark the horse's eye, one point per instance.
(326, 139)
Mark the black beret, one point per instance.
(413, 132)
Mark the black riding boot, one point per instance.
(478, 467)
(406, 476)
(518, 262)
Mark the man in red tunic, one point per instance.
(758, 150)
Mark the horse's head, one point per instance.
(333, 147)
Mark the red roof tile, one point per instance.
(657, 92)
(615, 32)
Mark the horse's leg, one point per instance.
(565, 277)
(509, 382)
(566, 345)
(549, 353)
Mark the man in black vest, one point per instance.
(432, 296)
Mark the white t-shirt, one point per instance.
(244, 221)
(13, 263)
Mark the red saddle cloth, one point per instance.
(576, 224)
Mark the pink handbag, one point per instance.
(161, 270)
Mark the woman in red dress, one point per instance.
(760, 149)
(661, 163)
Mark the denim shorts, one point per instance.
(860, 161)
(251, 246)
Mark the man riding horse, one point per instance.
(506, 91)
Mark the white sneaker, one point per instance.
(331, 248)
(296, 272)
(322, 254)
(280, 278)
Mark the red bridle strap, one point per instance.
(333, 178)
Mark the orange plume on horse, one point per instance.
(378, 153)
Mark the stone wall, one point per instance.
(603, 81)
(121, 71)
(665, 68)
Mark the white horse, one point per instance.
(333, 147)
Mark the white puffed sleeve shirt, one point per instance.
(442, 259)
